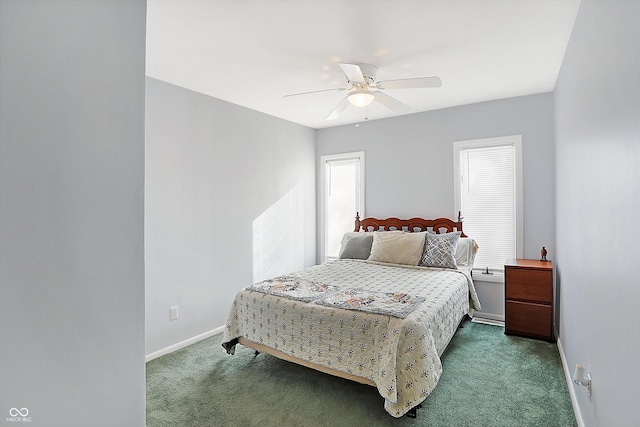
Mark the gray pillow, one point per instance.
(356, 247)
(440, 250)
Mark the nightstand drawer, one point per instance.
(528, 319)
(529, 285)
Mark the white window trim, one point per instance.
(323, 189)
(515, 140)
(496, 276)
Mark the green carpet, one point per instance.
(489, 379)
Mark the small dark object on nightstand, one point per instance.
(543, 254)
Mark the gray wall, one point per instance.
(597, 102)
(409, 165)
(212, 168)
(71, 211)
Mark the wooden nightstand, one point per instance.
(529, 298)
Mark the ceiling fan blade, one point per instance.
(390, 102)
(353, 72)
(338, 89)
(418, 82)
(339, 109)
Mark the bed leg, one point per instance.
(413, 412)
(464, 319)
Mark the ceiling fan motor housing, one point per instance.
(369, 73)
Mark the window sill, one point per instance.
(478, 276)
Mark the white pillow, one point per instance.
(397, 247)
(466, 252)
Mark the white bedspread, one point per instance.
(400, 355)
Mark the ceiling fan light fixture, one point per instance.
(361, 98)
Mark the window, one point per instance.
(342, 196)
(488, 192)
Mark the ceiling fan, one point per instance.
(364, 89)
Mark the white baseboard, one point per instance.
(569, 378)
(487, 321)
(488, 318)
(183, 344)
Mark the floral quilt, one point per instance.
(294, 288)
(397, 304)
(400, 355)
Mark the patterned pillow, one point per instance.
(440, 250)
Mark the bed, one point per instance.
(375, 315)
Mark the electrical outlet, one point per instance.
(174, 312)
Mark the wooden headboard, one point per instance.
(438, 225)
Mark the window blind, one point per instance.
(488, 202)
(342, 200)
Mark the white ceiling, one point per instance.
(253, 52)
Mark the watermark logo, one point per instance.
(18, 415)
